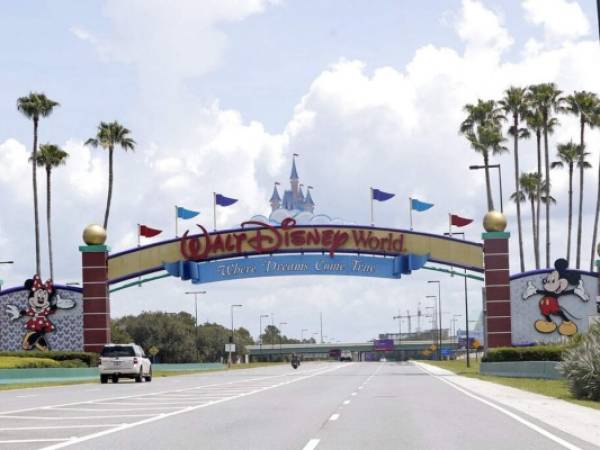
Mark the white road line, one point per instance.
(354, 393)
(26, 396)
(360, 387)
(59, 427)
(186, 410)
(346, 402)
(100, 410)
(25, 441)
(77, 417)
(147, 394)
(510, 414)
(334, 417)
(312, 444)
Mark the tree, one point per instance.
(569, 155)
(531, 186)
(482, 129)
(109, 136)
(34, 106)
(545, 98)
(535, 123)
(271, 335)
(50, 156)
(515, 103)
(582, 104)
(173, 334)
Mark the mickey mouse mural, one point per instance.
(42, 301)
(554, 288)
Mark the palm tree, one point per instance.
(34, 106)
(535, 123)
(582, 104)
(109, 136)
(482, 129)
(515, 104)
(546, 99)
(529, 189)
(596, 122)
(569, 155)
(49, 157)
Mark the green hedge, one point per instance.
(80, 359)
(534, 353)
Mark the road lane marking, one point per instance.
(189, 409)
(346, 402)
(503, 410)
(354, 393)
(26, 441)
(334, 417)
(77, 417)
(26, 396)
(59, 427)
(360, 387)
(312, 444)
(170, 391)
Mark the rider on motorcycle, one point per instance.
(295, 360)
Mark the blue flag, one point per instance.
(419, 205)
(183, 213)
(221, 200)
(381, 196)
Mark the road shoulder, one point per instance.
(567, 417)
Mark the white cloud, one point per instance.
(481, 28)
(356, 126)
(561, 19)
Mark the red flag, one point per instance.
(458, 221)
(149, 232)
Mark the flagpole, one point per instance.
(215, 211)
(176, 221)
(410, 212)
(371, 191)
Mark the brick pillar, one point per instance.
(96, 302)
(497, 289)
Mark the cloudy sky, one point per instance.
(220, 93)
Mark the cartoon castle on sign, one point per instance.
(293, 199)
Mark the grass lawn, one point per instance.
(551, 388)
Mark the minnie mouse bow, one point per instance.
(37, 284)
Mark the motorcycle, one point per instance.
(295, 363)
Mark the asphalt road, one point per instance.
(320, 406)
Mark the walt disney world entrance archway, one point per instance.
(261, 250)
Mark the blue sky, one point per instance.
(219, 94)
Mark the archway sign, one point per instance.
(261, 250)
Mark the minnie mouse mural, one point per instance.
(42, 301)
(554, 288)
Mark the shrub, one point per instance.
(12, 362)
(581, 366)
(90, 359)
(72, 363)
(535, 353)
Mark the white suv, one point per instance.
(124, 361)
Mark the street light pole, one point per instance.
(260, 332)
(229, 360)
(492, 166)
(195, 294)
(302, 333)
(466, 303)
(281, 324)
(439, 312)
(399, 317)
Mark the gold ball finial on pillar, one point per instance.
(94, 235)
(494, 221)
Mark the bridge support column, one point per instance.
(96, 303)
(497, 289)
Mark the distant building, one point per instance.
(293, 198)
